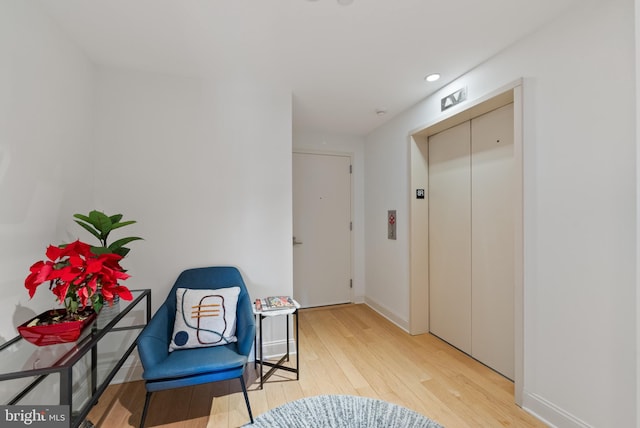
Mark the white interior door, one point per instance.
(321, 229)
(450, 236)
(492, 225)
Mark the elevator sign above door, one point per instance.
(452, 99)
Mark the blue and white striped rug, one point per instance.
(341, 411)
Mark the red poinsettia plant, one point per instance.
(80, 274)
(75, 275)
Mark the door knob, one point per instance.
(296, 242)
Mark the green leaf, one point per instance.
(89, 228)
(122, 251)
(72, 306)
(121, 242)
(97, 302)
(82, 217)
(124, 223)
(115, 218)
(101, 222)
(101, 250)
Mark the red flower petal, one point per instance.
(39, 274)
(77, 248)
(60, 291)
(53, 252)
(124, 292)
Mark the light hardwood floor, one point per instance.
(348, 349)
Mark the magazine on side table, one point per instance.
(275, 303)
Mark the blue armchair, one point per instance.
(188, 367)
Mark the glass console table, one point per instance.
(75, 373)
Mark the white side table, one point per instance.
(261, 315)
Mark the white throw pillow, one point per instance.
(204, 318)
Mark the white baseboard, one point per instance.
(277, 348)
(385, 312)
(358, 299)
(549, 413)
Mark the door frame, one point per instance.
(419, 215)
(351, 205)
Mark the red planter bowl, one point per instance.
(68, 331)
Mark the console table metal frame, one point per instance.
(65, 363)
(259, 357)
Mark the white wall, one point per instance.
(203, 166)
(637, 106)
(386, 188)
(205, 169)
(579, 214)
(45, 159)
(46, 154)
(318, 142)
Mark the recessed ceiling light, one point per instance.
(432, 77)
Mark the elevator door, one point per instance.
(450, 236)
(492, 238)
(471, 244)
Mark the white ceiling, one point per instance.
(340, 62)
